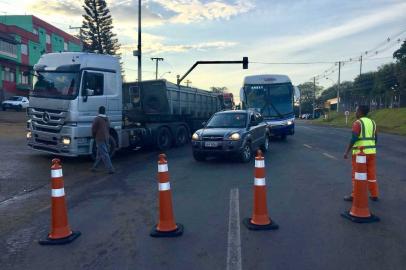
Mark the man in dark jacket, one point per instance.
(100, 132)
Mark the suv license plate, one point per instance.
(211, 144)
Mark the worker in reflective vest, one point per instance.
(364, 134)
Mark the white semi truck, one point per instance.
(70, 88)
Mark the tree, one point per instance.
(96, 32)
(306, 96)
(400, 54)
(219, 89)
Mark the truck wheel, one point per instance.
(163, 139)
(181, 136)
(265, 146)
(199, 156)
(246, 153)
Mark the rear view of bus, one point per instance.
(272, 96)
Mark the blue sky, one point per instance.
(185, 31)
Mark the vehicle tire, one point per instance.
(163, 139)
(265, 146)
(181, 136)
(246, 153)
(199, 156)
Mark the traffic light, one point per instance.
(245, 63)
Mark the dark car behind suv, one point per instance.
(238, 133)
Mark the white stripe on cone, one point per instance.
(162, 167)
(372, 181)
(259, 182)
(56, 173)
(361, 159)
(60, 192)
(259, 163)
(164, 186)
(360, 176)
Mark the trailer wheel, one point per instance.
(181, 136)
(163, 139)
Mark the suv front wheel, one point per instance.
(246, 153)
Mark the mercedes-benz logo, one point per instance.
(46, 117)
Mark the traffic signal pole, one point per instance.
(244, 63)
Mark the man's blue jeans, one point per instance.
(103, 155)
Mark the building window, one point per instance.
(24, 49)
(65, 46)
(48, 37)
(25, 79)
(9, 74)
(35, 31)
(8, 49)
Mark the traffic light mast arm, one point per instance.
(244, 62)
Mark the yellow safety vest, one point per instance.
(366, 137)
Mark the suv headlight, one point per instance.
(235, 136)
(195, 137)
(29, 135)
(289, 123)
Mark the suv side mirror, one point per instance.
(204, 123)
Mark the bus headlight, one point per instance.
(235, 136)
(289, 123)
(195, 137)
(66, 141)
(29, 135)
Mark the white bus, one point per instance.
(273, 97)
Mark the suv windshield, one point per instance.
(228, 120)
(271, 100)
(61, 85)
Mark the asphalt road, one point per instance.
(306, 178)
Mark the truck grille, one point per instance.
(47, 120)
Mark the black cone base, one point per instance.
(61, 241)
(251, 226)
(175, 233)
(370, 219)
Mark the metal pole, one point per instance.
(139, 42)
(157, 59)
(314, 96)
(360, 66)
(338, 86)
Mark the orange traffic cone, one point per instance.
(260, 219)
(359, 211)
(60, 231)
(166, 226)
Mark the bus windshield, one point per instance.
(271, 100)
(63, 85)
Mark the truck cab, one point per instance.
(68, 90)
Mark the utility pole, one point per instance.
(314, 96)
(360, 66)
(338, 86)
(188, 82)
(157, 59)
(139, 42)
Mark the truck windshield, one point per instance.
(228, 120)
(62, 85)
(273, 101)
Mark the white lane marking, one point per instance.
(329, 156)
(308, 146)
(234, 239)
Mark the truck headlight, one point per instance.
(235, 136)
(29, 135)
(195, 137)
(289, 123)
(65, 140)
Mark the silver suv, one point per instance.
(238, 133)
